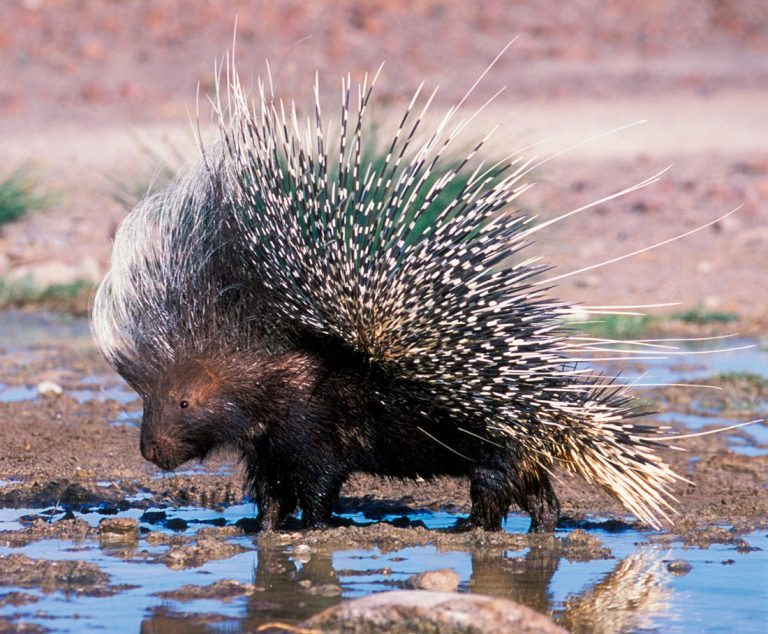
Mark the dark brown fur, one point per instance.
(303, 424)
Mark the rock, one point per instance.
(156, 537)
(224, 590)
(445, 580)
(49, 389)
(425, 611)
(679, 567)
(192, 556)
(119, 528)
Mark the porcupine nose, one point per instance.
(148, 450)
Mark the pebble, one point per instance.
(445, 580)
(679, 567)
(121, 528)
(302, 553)
(49, 389)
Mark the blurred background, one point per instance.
(96, 98)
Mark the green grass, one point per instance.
(19, 194)
(632, 326)
(744, 379)
(702, 317)
(71, 297)
(618, 326)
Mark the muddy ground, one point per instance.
(70, 475)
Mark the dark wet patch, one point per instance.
(608, 525)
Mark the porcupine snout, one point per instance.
(149, 449)
(157, 450)
(157, 445)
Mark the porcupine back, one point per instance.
(437, 293)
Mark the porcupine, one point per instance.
(323, 314)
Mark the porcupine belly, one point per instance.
(343, 421)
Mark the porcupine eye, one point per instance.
(184, 405)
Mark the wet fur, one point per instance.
(304, 421)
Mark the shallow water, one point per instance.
(725, 591)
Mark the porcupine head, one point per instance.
(173, 318)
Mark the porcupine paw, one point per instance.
(545, 511)
(484, 515)
(466, 524)
(264, 523)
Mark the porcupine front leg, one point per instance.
(274, 496)
(317, 496)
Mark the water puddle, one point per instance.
(698, 361)
(17, 393)
(25, 332)
(121, 394)
(632, 591)
(703, 359)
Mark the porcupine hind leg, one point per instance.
(532, 491)
(493, 490)
(491, 496)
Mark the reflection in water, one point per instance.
(625, 600)
(292, 593)
(523, 579)
(286, 591)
